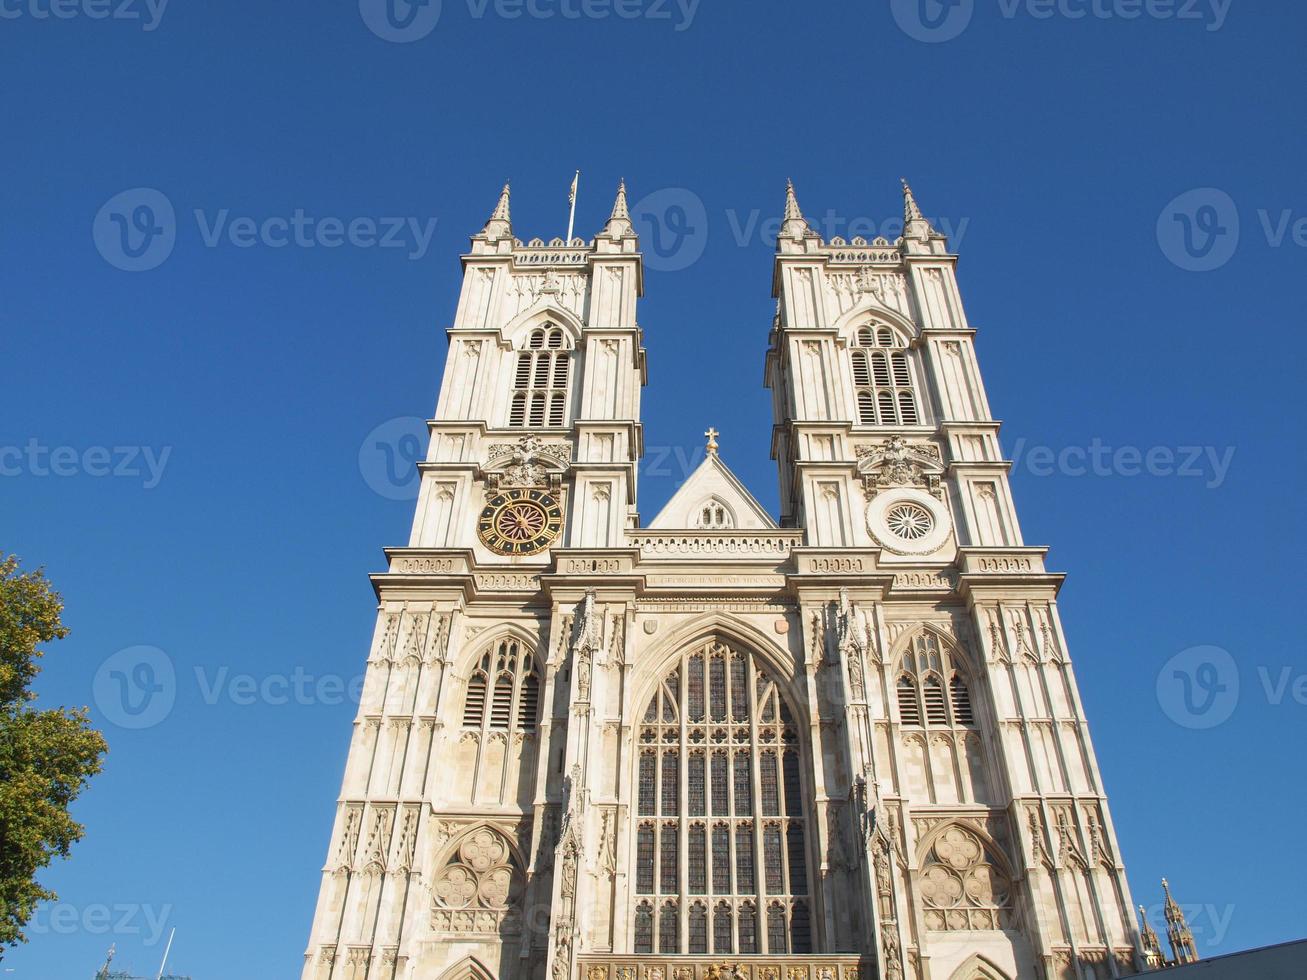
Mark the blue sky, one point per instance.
(231, 387)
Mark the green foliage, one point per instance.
(46, 757)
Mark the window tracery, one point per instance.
(882, 377)
(963, 884)
(477, 889)
(505, 682)
(540, 382)
(927, 667)
(719, 728)
(712, 515)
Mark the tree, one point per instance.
(46, 757)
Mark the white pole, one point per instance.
(167, 949)
(571, 221)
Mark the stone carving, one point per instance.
(374, 855)
(408, 839)
(618, 657)
(898, 463)
(608, 845)
(478, 888)
(525, 466)
(349, 839)
(889, 289)
(961, 885)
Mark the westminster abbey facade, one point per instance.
(843, 744)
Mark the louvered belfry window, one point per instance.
(540, 381)
(725, 850)
(882, 377)
(932, 687)
(504, 690)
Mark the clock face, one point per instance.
(520, 522)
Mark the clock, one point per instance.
(520, 522)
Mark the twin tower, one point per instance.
(839, 745)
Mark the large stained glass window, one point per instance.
(721, 835)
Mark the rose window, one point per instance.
(478, 888)
(910, 522)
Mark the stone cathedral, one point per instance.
(841, 744)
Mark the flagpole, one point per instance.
(571, 220)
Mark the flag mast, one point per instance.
(571, 199)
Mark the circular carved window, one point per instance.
(909, 522)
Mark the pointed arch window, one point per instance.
(541, 380)
(882, 376)
(720, 723)
(932, 688)
(504, 690)
(712, 515)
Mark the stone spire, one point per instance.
(915, 224)
(1183, 948)
(1153, 958)
(619, 222)
(795, 225)
(500, 224)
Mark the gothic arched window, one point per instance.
(712, 515)
(882, 376)
(721, 835)
(504, 690)
(540, 383)
(932, 686)
(963, 883)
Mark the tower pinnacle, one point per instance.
(1153, 958)
(1183, 948)
(794, 225)
(500, 224)
(915, 224)
(619, 222)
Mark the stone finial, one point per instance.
(619, 222)
(1178, 934)
(794, 225)
(500, 224)
(712, 435)
(915, 224)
